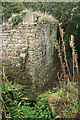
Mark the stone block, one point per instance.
(29, 18)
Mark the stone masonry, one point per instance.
(28, 51)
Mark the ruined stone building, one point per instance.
(28, 50)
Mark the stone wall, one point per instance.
(28, 51)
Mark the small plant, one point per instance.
(10, 95)
(65, 101)
(66, 98)
(14, 107)
(23, 13)
(17, 19)
(64, 62)
(42, 108)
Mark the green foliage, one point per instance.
(66, 100)
(10, 95)
(40, 110)
(56, 117)
(62, 11)
(11, 7)
(16, 20)
(18, 108)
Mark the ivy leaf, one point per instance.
(56, 117)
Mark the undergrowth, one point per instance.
(15, 107)
(24, 110)
(63, 99)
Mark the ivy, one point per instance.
(16, 20)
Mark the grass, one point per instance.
(64, 100)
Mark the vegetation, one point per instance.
(68, 91)
(64, 98)
(15, 107)
(11, 7)
(0, 15)
(17, 18)
(63, 11)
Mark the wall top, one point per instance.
(28, 17)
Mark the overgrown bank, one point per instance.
(60, 102)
